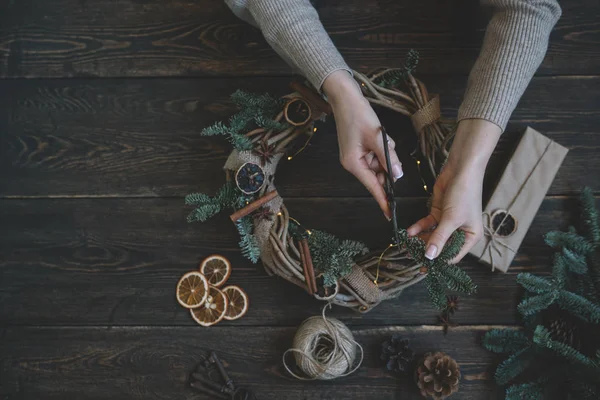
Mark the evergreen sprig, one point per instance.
(542, 338)
(248, 243)
(441, 274)
(505, 340)
(228, 196)
(530, 391)
(255, 111)
(333, 257)
(396, 76)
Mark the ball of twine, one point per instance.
(324, 349)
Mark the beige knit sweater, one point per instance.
(515, 43)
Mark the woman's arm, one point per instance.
(293, 29)
(515, 43)
(514, 46)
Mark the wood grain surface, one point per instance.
(101, 108)
(154, 363)
(130, 38)
(142, 137)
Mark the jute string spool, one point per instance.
(324, 349)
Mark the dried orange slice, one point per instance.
(237, 302)
(216, 269)
(192, 289)
(213, 310)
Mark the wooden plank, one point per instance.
(141, 137)
(154, 363)
(66, 38)
(117, 262)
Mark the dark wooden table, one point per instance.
(101, 105)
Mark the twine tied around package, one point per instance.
(491, 233)
(494, 241)
(324, 349)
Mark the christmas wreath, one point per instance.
(343, 272)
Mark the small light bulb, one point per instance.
(314, 129)
(425, 187)
(418, 162)
(289, 158)
(362, 84)
(309, 232)
(279, 214)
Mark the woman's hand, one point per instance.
(359, 136)
(456, 202)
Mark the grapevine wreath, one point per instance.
(342, 272)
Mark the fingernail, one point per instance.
(431, 252)
(397, 171)
(387, 217)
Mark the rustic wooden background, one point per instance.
(101, 104)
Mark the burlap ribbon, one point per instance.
(428, 114)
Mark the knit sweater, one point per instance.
(515, 43)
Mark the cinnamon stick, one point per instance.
(309, 265)
(312, 97)
(255, 205)
(305, 270)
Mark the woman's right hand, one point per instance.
(359, 136)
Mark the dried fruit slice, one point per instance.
(216, 269)
(237, 302)
(192, 289)
(213, 310)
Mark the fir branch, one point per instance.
(436, 291)
(456, 279)
(505, 340)
(396, 76)
(203, 212)
(333, 257)
(248, 243)
(514, 365)
(570, 240)
(535, 304)
(530, 391)
(453, 246)
(579, 306)
(542, 338)
(534, 283)
(590, 216)
(574, 262)
(197, 199)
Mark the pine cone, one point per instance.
(437, 375)
(397, 354)
(563, 327)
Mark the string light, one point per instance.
(379, 263)
(299, 224)
(418, 162)
(303, 147)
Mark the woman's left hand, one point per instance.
(456, 202)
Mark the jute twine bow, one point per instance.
(494, 241)
(324, 349)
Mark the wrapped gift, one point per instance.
(517, 198)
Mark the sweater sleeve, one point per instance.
(293, 29)
(515, 43)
